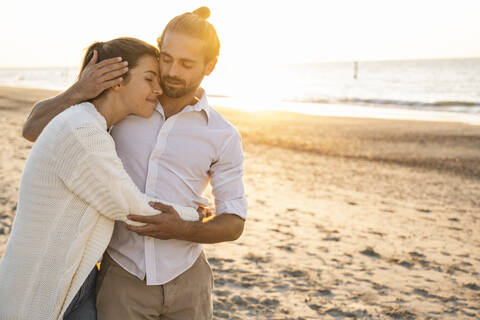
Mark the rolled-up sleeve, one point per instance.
(227, 179)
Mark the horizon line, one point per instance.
(282, 64)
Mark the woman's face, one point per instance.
(139, 93)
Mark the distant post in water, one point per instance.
(355, 70)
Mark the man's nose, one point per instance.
(174, 70)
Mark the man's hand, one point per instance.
(167, 225)
(96, 77)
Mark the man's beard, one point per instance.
(175, 92)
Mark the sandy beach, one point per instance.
(348, 217)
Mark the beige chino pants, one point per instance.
(121, 295)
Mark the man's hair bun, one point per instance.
(202, 12)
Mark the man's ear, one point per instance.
(210, 66)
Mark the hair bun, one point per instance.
(202, 12)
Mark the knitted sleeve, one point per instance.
(87, 163)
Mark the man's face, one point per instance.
(182, 64)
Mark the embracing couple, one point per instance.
(118, 169)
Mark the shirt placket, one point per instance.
(151, 182)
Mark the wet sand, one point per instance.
(348, 217)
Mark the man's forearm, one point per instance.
(220, 228)
(46, 110)
(94, 79)
(169, 225)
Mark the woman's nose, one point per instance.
(157, 89)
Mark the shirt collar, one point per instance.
(201, 105)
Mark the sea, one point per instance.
(437, 90)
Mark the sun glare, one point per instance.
(250, 88)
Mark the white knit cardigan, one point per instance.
(72, 189)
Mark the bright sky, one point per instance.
(54, 33)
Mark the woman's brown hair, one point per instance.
(130, 49)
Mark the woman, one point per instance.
(72, 189)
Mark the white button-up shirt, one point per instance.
(174, 160)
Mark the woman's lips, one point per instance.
(152, 101)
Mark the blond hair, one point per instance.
(195, 24)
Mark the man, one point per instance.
(159, 270)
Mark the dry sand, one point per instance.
(348, 218)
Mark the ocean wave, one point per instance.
(437, 105)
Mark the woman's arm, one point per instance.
(88, 165)
(95, 78)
